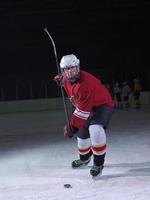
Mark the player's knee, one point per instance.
(97, 134)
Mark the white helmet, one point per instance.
(69, 60)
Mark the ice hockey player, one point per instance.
(93, 110)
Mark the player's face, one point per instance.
(71, 72)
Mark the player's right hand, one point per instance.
(69, 130)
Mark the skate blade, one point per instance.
(97, 177)
(81, 167)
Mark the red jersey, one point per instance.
(86, 93)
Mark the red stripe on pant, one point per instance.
(84, 151)
(99, 148)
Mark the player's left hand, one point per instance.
(59, 79)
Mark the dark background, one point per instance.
(111, 39)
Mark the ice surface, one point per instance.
(35, 159)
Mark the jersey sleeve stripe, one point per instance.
(81, 114)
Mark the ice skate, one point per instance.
(79, 163)
(96, 171)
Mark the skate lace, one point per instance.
(97, 168)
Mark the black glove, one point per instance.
(69, 130)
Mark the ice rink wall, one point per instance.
(52, 104)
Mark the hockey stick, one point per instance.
(59, 72)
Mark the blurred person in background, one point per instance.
(136, 92)
(117, 96)
(125, 94)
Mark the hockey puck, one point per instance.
(67, 185)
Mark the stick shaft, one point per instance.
(59, 72)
